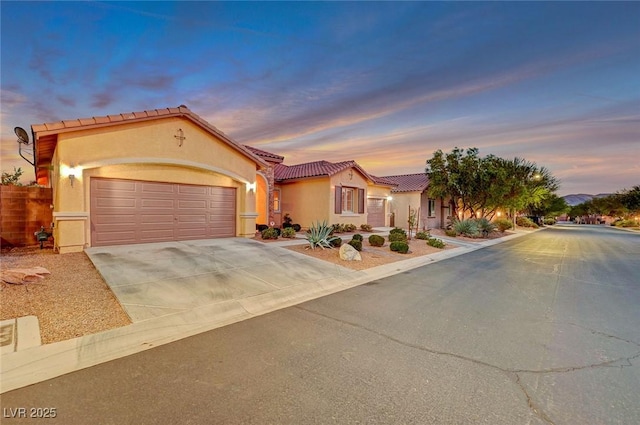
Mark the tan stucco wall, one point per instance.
(347, 178)
(400, 207)
(306, 201)
(143, 151)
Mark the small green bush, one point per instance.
(467, 228)
(357, 237)
(397, 234)
(270, 233)
(376, 240)
(261, 227)
(288, 232)
(451, 233)
(338, 228)
(625, 223)
(436, 243)
(296, 227)
(503, 224)
(526, 222)
(366, 227)
(350, 227)
(356, 244)
(549, 221)
(336, 243)
(399, 246)
(423, 235)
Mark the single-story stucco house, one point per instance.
(168, 175)
(147, 176)
(410, 191)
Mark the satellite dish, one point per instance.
(23, 137)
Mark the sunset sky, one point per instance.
(385, 84)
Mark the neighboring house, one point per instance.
(411, 192)
(341, 192)
(149, 176)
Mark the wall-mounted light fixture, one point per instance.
(389, 198)
(72, 178)
(251, 187)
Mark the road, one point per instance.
(544, 329)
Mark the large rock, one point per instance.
(349, 253)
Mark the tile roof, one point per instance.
(54, 128)
(409, 182)
(317, 169)
(272, 157)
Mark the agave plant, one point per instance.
(485, 226)
(466, 228)
(319, 235)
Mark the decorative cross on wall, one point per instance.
(180, 137)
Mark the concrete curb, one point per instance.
(37, 364)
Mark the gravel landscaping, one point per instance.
(72, 301)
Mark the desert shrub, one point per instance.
(436, 243)
(288, 232)
(423, 235)
(350, 227)
(625, 223)
(485, 226)
(503, 224)
(376, 240)
(357, 244)
(296, 227)
(338, 228)
(549, 221)
(270, 233)
(357, 237)
(526, 222)
(319, 235)
(467, 228)
(397, 234)
(451, 233)
(286, 220)
(399, 246)
(261, 227)
(336, 242)
(366, 227)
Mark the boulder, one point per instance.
(349, 253)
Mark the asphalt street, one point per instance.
(544, 329)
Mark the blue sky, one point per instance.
(385, 84)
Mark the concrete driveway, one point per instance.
(159, 279)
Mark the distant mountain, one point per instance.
(579, 198)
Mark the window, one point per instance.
(348, 196)
(276, 200)
(349, 200)
(431, 207)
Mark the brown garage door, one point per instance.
(131, 211)
(375, 212)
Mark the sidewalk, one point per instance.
(37, 364)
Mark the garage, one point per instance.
(133, 211)
(375, 212)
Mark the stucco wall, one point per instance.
(347, 178)
(143, 151)
(306, 201)
(400, 207)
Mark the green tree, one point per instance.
(12, 178)
(479, 186)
